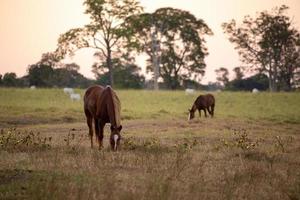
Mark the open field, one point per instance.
(250, 150)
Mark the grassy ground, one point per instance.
(250, 150)
(24, 106)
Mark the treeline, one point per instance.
(45, 76)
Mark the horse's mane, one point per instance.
(114, 106)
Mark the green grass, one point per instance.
(250, 150)
(24, 106)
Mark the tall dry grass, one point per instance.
(229, 167)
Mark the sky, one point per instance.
(29, 28)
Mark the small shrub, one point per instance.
(15, 140)
(72, 141)
(241, 140)
(281, 143)
(186, 145)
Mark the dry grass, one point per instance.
(159, 159)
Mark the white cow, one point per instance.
(255, 90)
(189, 91)
(33, 87)
(75, 97)
(68, 90)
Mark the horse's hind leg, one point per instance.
(199, 113)
(209, 110)
(89, 121)
(205, 112)
(99, 132)
(100, 137)
(212, 110)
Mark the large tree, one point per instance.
(103, 33)
(238, 73)
(268, 44)
(222, 75)
(174, 41)
(127, 74)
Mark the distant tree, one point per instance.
(72, 67)
(41, 75)
(50, 59)
(258, 81)
(212, 86)
(10, 80)
(103, 33)
(126, 75)
(222, 75)
(68, 76)
(174, 41)
(238, 73)
(0, 79)
(268, 44)
(50, 72)
(23, 81)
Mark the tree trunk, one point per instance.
(110, 68)
(271, 81)
(156, 71)
(272, 85)
(155, 63)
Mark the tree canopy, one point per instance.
(174, 41)
(126, 75)
(103, 33)
(268, 44)
(222, 75)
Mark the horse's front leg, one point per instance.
(100, 137)
(205, 112)
(199, 113)
(209, 110)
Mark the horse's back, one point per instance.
(204, 101)
(92, 91)
(90, 98)
(210, 99)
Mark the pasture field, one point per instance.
(249, 150)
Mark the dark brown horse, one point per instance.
(102, 106)
(203, 102)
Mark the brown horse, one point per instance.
(102, 106)
(203, 102)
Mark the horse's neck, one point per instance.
(194, 107)
(112, 110)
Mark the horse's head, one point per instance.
(191, 114)
(115, 137)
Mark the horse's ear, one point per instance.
(120, 128)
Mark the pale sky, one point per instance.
(29, 28)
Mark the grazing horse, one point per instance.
(102, 106)
(203, 102)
